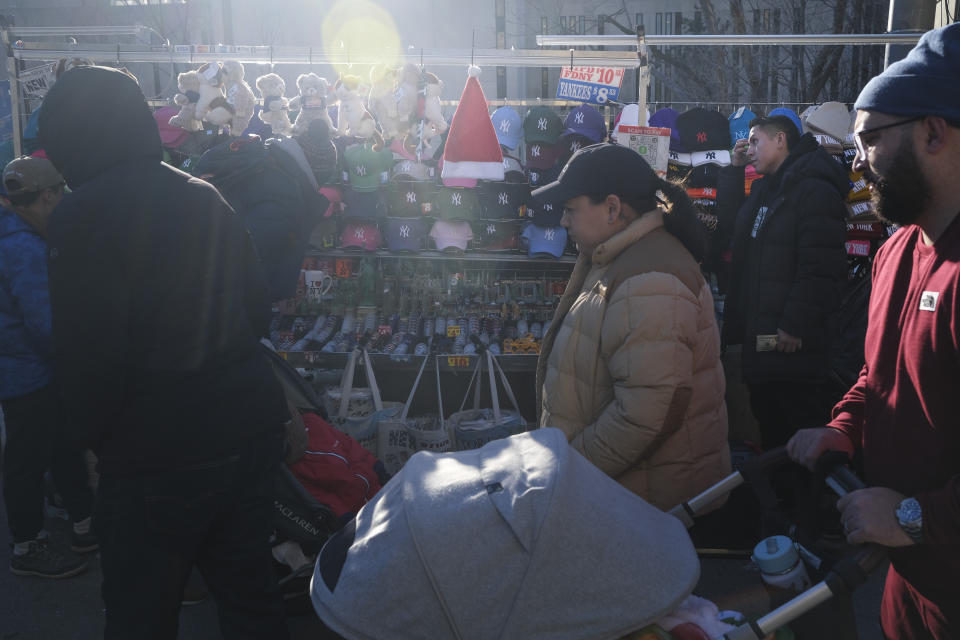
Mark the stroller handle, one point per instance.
(832, 464)
(846, 575)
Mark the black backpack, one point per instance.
(275, 200)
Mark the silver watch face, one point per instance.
(909, 512)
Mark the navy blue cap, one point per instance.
(925, 83)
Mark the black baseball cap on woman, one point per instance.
(600, 170)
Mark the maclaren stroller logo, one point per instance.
(301, 522)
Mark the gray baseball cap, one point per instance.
(27, 173)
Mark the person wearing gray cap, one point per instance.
(903, 410)
(36, 440)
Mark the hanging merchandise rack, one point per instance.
(633, 57)
(21, 50)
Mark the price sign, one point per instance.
(458, 361)
(590, 84)
(454, 331)
(344, 267)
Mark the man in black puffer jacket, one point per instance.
(789, 264)
(158, 303)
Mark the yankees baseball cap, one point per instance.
(702, 130)
(405, 234)
(363, 204)
(570, 143)
(503, 200)
(586, 121)
(498, 235)
(602, 169)
(541, 155)
(541, 177)
(360, 236)
(546, 213)
(542, 125)
(28, 173)
(411, 170)
(509, 127)
(454, 203)
(513, 170)
(545, 240)
(410, 198)
(451, 234)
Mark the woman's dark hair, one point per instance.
(680, 217)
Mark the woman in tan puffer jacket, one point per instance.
(630, 366)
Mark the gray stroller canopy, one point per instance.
(522, 538)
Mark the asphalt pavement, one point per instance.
(71, 609)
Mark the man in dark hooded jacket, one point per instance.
(158, 303)
(788, 267)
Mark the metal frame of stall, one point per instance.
(632, 55)
(20, 50)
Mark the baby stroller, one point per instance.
(522, 538)
(302, 524)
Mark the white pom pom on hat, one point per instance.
(473, 71)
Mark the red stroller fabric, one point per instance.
(335, 469)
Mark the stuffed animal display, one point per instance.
(212, 106)
(385, 101)
(189, 84)
(397, 102)
(275, 105)
(431, 111)
(239, 95)
(311, 103)
(348, 90)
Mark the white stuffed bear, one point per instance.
(189, 84)
(275, 106)
(406, 92)
(212, 106)
(384, 101)
(432, 112)
(349, 90)
(239, 96)
(311, 103)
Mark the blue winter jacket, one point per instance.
(25, 334)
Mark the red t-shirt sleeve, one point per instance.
(848, 413)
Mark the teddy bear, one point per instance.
(275, 106)
(239, 95)
(431, 111)
(384, 101)
(212, 106)
(189, 84)
(348, 90)
(406, 92)
(311, 103)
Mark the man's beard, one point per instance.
(904, 192)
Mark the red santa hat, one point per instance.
(472, 149)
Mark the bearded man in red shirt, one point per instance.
(904, 410)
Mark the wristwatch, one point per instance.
(910, 517)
